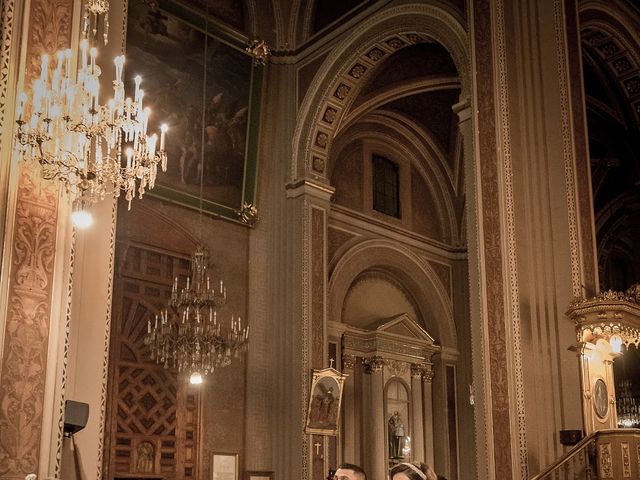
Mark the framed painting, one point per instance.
(224, 466)
(202, 81)
(325, 398)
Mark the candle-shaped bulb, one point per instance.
(137, 80)
(129, 156)
(84, 45)
(22, 99)
(163, 131)
(43, 68)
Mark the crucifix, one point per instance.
(331, 360)
(317, 445)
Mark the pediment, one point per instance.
(403, 326)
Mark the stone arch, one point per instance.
(414, 273)
(611, 37)
(350, 64)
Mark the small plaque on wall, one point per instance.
(224, 466)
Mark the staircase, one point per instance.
(603, 455)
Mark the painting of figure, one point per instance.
(200, 85)
(324, 402)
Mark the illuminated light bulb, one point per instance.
(616, 343)
(82, 219)
(195, 379)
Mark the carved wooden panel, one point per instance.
(153, 413)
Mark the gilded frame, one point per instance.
(325, 399)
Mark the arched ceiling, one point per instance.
(610, 38)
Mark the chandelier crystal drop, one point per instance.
(94, 150)
(188, 334)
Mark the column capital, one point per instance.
(373, 364)
(348, 361)
(417, 370)
(427, 372)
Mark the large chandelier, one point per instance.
(188, 334)
(94, 150)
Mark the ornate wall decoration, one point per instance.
(6, 29)
(318, 262)
(507, 177)
(500, 443)
(27, 326)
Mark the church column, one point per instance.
(417, 418)
(427, 405)
(35, 268)
(310, 201)
(376, 468)
(348, 400)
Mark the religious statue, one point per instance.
(396, 435)
(145, 453)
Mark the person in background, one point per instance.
(413, 471)
(349, 471)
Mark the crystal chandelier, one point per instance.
(628, 409)
(80, 142)
(188, 335)
(92, 11)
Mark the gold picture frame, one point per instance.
(224, 466)
(325, 399)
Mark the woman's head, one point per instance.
(412, 471)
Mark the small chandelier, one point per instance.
(93, 9)
(188, 335)
(94, 150)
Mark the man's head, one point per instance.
(349, 471)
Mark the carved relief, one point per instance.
(318, 164)
(329, 115)
(626, 460)
(357, 71)
(398, 368)
(606, 462)
(322, 139)
(342, 91)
